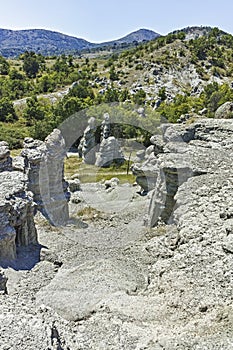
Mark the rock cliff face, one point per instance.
(34, 180)
(17, 226)
(204, 147)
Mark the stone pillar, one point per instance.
(44, 166)
(87, 145)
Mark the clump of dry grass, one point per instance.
(89, 213)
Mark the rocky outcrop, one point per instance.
(44, 166)
(147, 174)
(200, 148)
(17, 208)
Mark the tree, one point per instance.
(139, 97)
(46, 84)
(31, 64)
(113, 74)
(162, 93)
(111, 95)
(4, 66)
(7, 112)
(81, 90)
(16, 75)
(33, 111)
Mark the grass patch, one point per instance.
(90, 173)
(16, 152)
(13, 134)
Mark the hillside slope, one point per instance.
(46, 42)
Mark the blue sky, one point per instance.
(104, 20)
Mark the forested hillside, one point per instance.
(184, 72)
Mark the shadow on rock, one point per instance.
(27, 258)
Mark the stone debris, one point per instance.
(74, 185)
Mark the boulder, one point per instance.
(225, 111)
(112, 183)
(74, 185)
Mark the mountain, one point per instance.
(46, 42)
(15, 42)
(139, 36)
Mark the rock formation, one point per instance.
(17, 209)
(44, 166)
(146, 174)
(105, 127)
(204, 147)
(5, 159)
(225, 110)
(87, 144)
(3, 282)
(109, 151)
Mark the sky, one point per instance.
(103, 20)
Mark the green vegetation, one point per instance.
(213, 96)
(54, 88)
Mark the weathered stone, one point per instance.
(225, 111)
(3, 282)
(109, 153)
(45, 170)
(88, 143)
(5, 159)
(146, 173)
(17, 209)
(202, 147)
(74, 185)
(75, 293)
(105, 127)
(18, 163)
(140, 156)
(111, 183)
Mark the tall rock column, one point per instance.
(17, 208)
(87, 145)
(44, 165)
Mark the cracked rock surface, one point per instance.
(106, 281)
